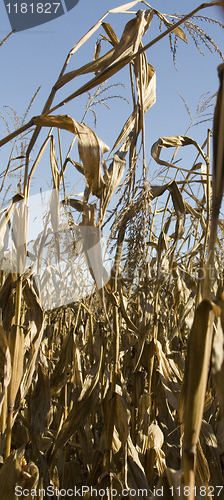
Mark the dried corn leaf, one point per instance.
(14, 474)
(181, 292)
(127, 128)
(93, 252)
(148, 93)
(77, 165)
(57, 378)
(121, 56)
(202, 473)
(36, 317)
(155, 435)
(114, 177)
(4, 238)
(160, 461)
(170, 375)
(195, 382)
(39, 405)
(5, 365)
(145, 82)
(77, 204)
(177, 31)
(121, 8)
(93, 66)
(192, 211)
(54, 165)
(19, 236)
(206, 182)
(83, 406)
(111, 34)
(178, 204)
(149, 87)
(170, 142)
(136, 474)
(122, 418)
(124, 313)
(218, 357)
(218, 150)
(109, 412)
(7, 302)
(16, 346)
(97, 50)
(117, 417)
(10, 476)
(212, 454)
(196, 372)
(5, 217)
(89, 147)
(132, 35)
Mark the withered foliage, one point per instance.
(121, 390)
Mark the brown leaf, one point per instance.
(177, 31)
(85, 403)
(195, 382)
(178, 203)
(5, 365)
(115, 174)
(218, 150)
(57, 378)
(5, 217)
(54, 165)
(76, 204)
(136, 474)
(89, 145)
(97, 50)
(36, 317)
(10, 475)
(148, 79)
(19, 236)
(39, 405)
(196, 372)
(122, 418)
(16, 346)
(7, 302)
(132, 35)
(170, 142)
(110, 32)
(121, 55)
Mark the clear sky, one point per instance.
(34, 58)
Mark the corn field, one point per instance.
(112, 385)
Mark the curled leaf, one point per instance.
(170, 142)
(90, 147)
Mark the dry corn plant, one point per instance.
(96, 393)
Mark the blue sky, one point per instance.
(34, 58)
